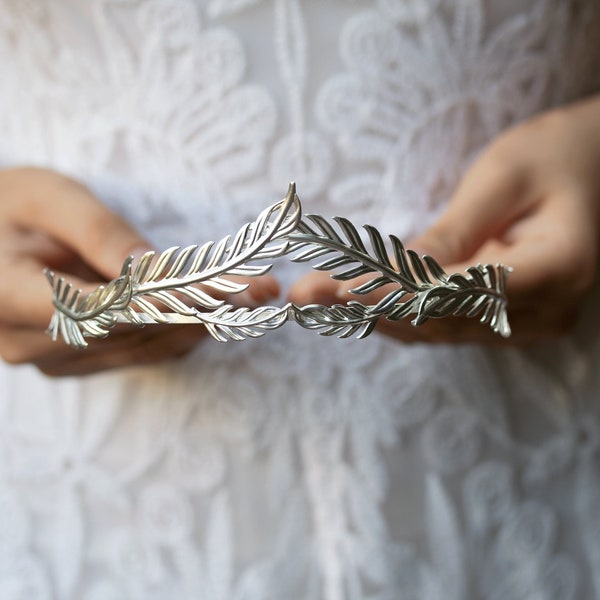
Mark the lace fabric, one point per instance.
(323, 469)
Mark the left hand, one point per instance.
(50, 220)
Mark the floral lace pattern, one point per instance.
(294, 466)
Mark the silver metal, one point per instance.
(175, 286)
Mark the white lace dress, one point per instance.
(295, 466)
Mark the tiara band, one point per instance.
(175, 286)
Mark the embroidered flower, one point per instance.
(23, 576)
(412, 99)
(489, 495)
(522, 562)
(452, 440)
(166, 516)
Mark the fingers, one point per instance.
(527, 326)
(23, 345)
(489, 198)
(315, 288)
(25, 294)
(542, 297)
(129, 346)
(147, 346)
(530, 321)
(552, 252)
(47, 202)
(49, 220)
(261, 290)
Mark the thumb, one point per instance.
(483, 206)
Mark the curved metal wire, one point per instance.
(184, 285)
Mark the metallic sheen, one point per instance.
(179, 284)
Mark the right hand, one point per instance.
(48, 220)
(531, 200)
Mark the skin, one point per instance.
(48, 220)
(531, 201)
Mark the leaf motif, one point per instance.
(238, 241)
(157, 276)
(229, 323)
(342, 320)
(491, 276)
(315, 245)
(199, 297)
(311, 253)
(477, 275)
(404, 309)
(434, 293)
(477, 306)
(200, 258)
(370, 286)
(325, 227)
(180, 279)
(74, 297)
(488, 315)
(158, 270)
(459, 280)
(389, 301)
(439, 302)
(250, 270)
(149, 308)
(182, 258)
(418, 267)
(172, 302)
(352, 273)
(225, 285)
(143, 265)
(378, 246)
(70, 331)
(401, 258)
(133, 317)
(333, 263)
(435, 269)
(94, 328)
(273, 251)
(351, 233)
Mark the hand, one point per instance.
(48, 220)
(531, 201)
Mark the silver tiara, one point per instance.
(175, 286)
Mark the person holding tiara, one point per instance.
(430, 462)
